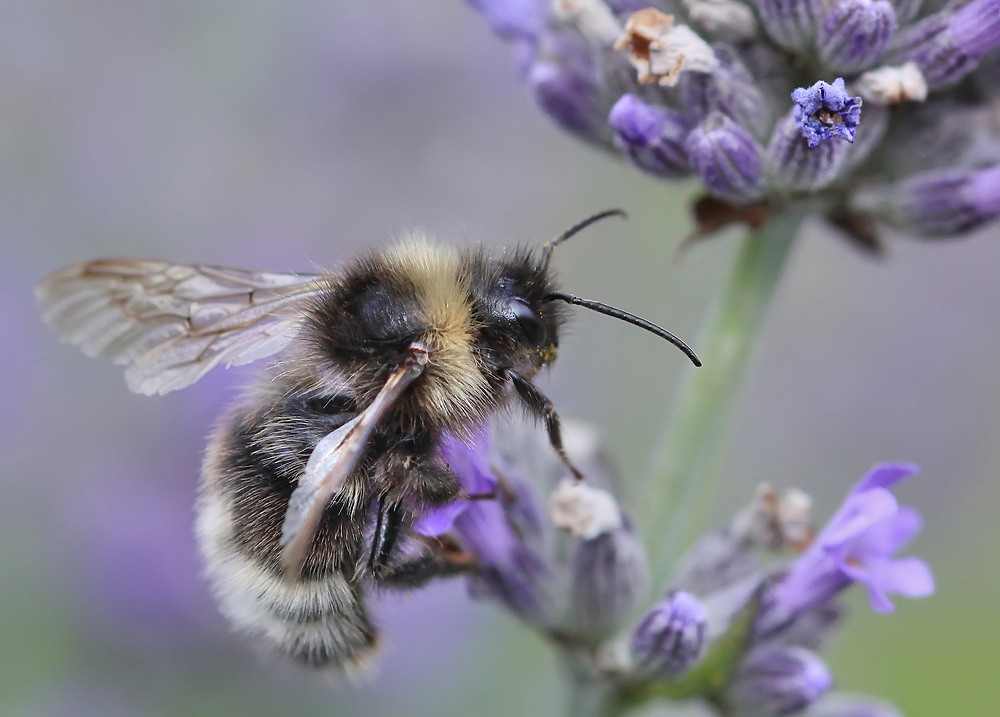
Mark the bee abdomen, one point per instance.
(320, 623)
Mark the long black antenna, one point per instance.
(547, 247)
(626, 316)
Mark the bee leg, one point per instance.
(390, 518)
(443, 560)
(406, 474)
(446, 559)
(539, 404)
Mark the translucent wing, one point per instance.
(172, 323)
(332, 462)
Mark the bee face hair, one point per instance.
(311, 484)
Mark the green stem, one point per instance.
(588, 696)
(684, 470)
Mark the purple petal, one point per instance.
(440, 520)
(889, 536)
(858, 514)
(885, 475)
(910, 577)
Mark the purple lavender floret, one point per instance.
(671, 637)
(498, 533)
(651, 136)
(826, 111)
(775, 680)
(857, 546)
(727, 159)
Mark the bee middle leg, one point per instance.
(407, 477)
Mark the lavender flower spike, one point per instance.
(652, 137)
(670, 639)
(727, 159)
(857, 546)
(825, 111)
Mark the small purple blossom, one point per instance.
(775, 681)
(825, 111)
(502, 534)
(947, 203)
(857, 546)
(855, 34)
(671, 637)
(948, 45)
(608, 577)
(651, 136)
(727, 159)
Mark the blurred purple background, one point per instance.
(287, 136)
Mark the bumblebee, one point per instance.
(311, 483)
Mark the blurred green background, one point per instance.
(289, 135)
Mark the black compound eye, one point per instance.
(529, 321)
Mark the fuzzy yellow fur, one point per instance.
(453, 383)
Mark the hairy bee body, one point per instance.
(311, 484)
(353, 335)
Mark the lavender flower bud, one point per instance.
(948, 202)
(730, 89)
(609, 576)
(670, 639)
(726, 158)
(564, 84)
(791, 23)
(774, 681)
(947, 45)
(652, 137)
(855, 33)
(794, 166)
(608, 565)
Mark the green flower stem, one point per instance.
(590, 697)
(685, 468)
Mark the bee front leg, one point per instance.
(540, 405)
